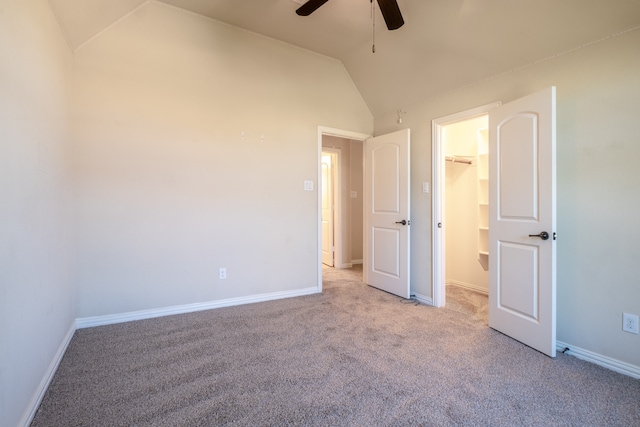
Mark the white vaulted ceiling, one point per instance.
(444, 44)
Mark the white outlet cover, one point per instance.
(425, 187)
(630, 323)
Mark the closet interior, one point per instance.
(466, 156)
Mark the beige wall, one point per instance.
(37, 309)
(598, 94)
(192, 143)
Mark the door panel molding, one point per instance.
(386, 201)
(520, 294)
(517, 164)
(385, 244)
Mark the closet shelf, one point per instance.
(483, 198)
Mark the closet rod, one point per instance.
(456, 159)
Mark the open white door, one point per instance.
(522, 220)
(386, 206)
(327, 209)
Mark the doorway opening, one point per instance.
(460, 202)
(466, 217)
(340, 225)
(329, 187)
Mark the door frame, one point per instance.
(438, 288)
(336, 182)
(340, 133)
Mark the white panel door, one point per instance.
(522, 220)
(387, 220)
(327, 210)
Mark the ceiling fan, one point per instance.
(389, 9)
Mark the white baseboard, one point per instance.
(469, 286)
(356, 261)
(604, 361)
(423, 299)
(88, 322)
(35, 401)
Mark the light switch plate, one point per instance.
(308, 186)
(425, 187)
(354, 194)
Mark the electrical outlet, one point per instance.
(630, 323)
(222, 273)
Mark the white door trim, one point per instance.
(340, 133)
(437, 200)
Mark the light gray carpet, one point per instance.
(351, 356)
(471, 303)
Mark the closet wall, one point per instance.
(464, 266)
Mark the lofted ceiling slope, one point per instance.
(444, 44)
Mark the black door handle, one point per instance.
(403, 222)
(544, 235)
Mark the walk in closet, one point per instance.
(467, 204)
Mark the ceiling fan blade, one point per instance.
(391, 13)
(309, 7)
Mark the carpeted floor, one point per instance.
(353, 356)
(468, 302)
